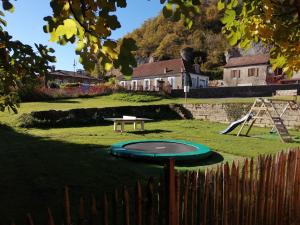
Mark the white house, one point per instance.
(168, 73)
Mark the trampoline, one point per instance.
(159, 150)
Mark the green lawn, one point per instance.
(100, 102)
(35, 164)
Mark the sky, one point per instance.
(26, 24)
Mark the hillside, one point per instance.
(162, 39)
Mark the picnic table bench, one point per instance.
(127, 119)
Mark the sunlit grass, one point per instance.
(35, 164)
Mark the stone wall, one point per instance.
(234, 92)
(229, 112)
(223, 113)
(96, 116)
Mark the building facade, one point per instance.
(163, 74)
(248, 71)
(64, 76)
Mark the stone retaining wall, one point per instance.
(95, 116)
(228, 112)
(223, 113)
(237, 91)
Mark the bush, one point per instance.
(46, 94)
(54, 85)
(133, 97)
(68, 85)
(95, 116)
(213, 74)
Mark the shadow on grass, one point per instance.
(62, 101)
(214, 158)
(34, 170)
(143, 132)
(65, 124)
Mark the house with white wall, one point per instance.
(168, 73)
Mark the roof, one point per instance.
(161, 68)
(65, 73)
(247, 61)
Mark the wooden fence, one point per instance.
(264, 191)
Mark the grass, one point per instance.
(35, 164)
(100, 102)
(131, 97)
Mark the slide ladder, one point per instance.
(281, 129)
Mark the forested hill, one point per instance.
(161, 38)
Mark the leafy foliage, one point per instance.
(274, 23)
(89, 24)
(19, 63)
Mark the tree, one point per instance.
(89, 23)
(274, 23)
(18, 62)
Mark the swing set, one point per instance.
(264, 108)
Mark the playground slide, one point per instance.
(235, 124)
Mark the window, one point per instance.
(123, 83)
(147, 84)
(235, 73)
(253, 72)
(134, 85)
(194, 80)
(156, 81)
(171, 81)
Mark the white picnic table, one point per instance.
(127, 119)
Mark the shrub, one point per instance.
(54, 85)
(216, 74)
(46, 94)
(134, 97)
(70, 85)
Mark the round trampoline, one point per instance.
(161, 149)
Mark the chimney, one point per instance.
(165, 70)
(187, 54)
(151, 59)
(52, 68)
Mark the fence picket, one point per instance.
(105, 210)
(138, 203)
(150, 202)
(116, 207)
(81, 211)
(50, 218)
(29, 219)
(126, 206)
(67, 206)
(94, 212)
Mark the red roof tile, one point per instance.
(172, 66)
(247, 61)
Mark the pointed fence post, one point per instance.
(50, 218)
(29, 219)
(172, 215)
(67, 206)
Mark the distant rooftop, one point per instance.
(247, 61)
(161, 68)
(79, 74)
